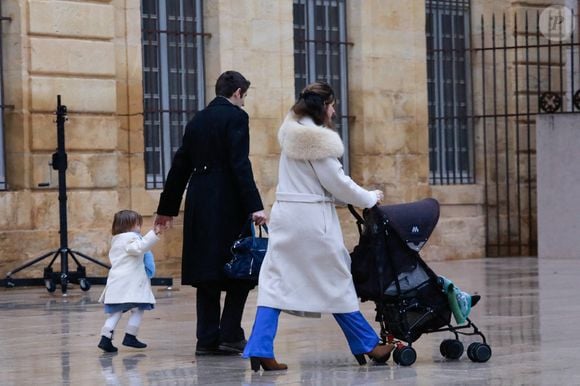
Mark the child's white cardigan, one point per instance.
(127, 281)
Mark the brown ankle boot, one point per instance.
(268, 364)
(381, 352)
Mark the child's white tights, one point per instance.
(132, 324)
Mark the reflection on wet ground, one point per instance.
(528, 313)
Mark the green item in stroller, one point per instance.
(460, 302)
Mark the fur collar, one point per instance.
(307, 141)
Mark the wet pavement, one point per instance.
(529, 312)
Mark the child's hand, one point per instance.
(158, 229)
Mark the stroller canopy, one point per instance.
(413, 222)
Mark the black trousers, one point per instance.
(213, 325)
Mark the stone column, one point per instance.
(255, 37)
(388, 100)
(388, 97)
(558, 179)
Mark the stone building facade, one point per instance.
(90, 53)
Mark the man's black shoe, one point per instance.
(233, 347)
(200, 350)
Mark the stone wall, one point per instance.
(50, 49)
(90, 53)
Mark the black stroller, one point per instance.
(409, 298)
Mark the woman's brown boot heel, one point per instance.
(268, 364)
(381, 352)
(360, 358)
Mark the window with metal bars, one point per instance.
(451, 153)
(320, 54)
(173, 79)
(3, 184)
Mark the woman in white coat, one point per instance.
(307, 267)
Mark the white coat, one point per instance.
(127, 281)
(307, 267)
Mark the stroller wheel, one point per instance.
(405, 356)
(451, 348)
(479, 352)
(470, 350)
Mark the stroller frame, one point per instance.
(403, 317)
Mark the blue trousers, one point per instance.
(360, 335)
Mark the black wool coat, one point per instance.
(221, 194)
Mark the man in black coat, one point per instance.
(221, 197)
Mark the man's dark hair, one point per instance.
(229, 82)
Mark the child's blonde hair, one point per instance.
(125, 220)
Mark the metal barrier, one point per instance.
(518, 68)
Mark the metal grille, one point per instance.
(522, 71)
(173, 79)
(494, 80)
(451, 155)
(3, 106)
(320, 54)
(519, 68)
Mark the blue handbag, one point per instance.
(247, 256)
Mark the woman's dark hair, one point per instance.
(229, 82)
(125, 220)
(312, 103)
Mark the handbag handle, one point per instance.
(253, 229)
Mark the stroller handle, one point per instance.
(355, 214)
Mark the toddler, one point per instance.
(128, 285)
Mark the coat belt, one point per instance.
(207, 169)
(302, 197)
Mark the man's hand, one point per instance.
(163, 221)
(259, 217)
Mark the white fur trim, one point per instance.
(307, 141)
